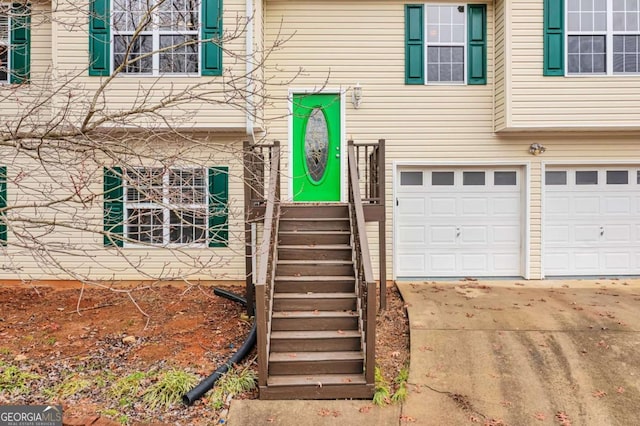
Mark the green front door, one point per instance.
(316, 147)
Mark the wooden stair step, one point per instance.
(316, 380)
(314, 320)
(314, 237)
(314, 295)
(316, 356)
(315, 340)
(315, 334)
(314, 267)
(314, 224)
(323, 301)
(315, 210)
(315, 251)
(323, 283)
(319, 362)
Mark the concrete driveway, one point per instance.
(524, 353)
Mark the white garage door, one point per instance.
(592, 221)
(458, 222)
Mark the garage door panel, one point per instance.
(617, 205)
(442, 206)
(442, 234)
(474, 264)
(557, 234)
(412, 207)
(474, 207)
(620, 261)
(504, 263)
(412, 264)
(412, 234)
(473, 235)
(586, 206)
(586, 233)
(603, 220)
(442, 264)
(505, 206)
(587, 262)
(557, 205)
(506, 234)
(619, 233)
(557, 261)
(469, 229)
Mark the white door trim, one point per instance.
(343, 141)
(525, 166)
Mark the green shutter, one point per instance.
(211, 29)
(477, 44)
(553, 37)
(414, 44)
(218, 207)
(113, 207)
(99, 38)
(20, 43)
(3, 204)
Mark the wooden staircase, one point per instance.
(316, 342)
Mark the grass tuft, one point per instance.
(127, 389)
(234, 382)
(13, 380)
(169, 388)
(401, 393)
(382, 392)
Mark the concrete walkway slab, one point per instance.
(311, 413)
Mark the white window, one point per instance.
(446, 40)
(4, 43)
(166, 207)
(157, 36)
(603, 36)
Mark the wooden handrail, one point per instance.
(264, 274)
(365, 284)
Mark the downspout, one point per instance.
(249, 69)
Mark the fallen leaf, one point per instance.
(407, 419)
(539, 416)
(563, 418)
(620, 389)
(506, 403)
(365, 409)
(599, 394)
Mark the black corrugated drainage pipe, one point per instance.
(196, 393)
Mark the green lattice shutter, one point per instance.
(3, 205)
(20, 43)
(477, 44)
(218, 207)
(414, 44)
(99, 38)
(113, 207)
(211, 29)
(553, 37)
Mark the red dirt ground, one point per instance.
(58, 333)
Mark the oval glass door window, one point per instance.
(316, 145)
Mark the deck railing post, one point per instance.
(382, 233)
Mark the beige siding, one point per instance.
(73, 248)
(451, 125)
(202, 100)
(537, 102)
(500, 66)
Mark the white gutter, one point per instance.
(249, 67)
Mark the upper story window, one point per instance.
(4, 44)
(445, 44)
(603, 36)
(155, 37)
(591, 37)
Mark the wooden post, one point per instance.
(248, 264)
(382, 234)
